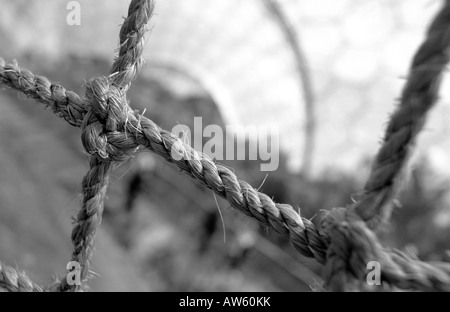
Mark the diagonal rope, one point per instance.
(419, 95)
(94, 186)
(127, 65)
(14, 281)
(64, 104)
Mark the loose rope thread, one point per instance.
(112, 132)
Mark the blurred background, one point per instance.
(326, 72)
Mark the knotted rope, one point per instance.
(112, 132)
(107, 111)
(352, 244)
(141, 131)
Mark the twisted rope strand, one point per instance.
(14, 281)
(129, 61)
(419, 95)
(94, 186)
(64, 104)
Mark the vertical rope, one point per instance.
(131, 45)
(107, 99)
(94, 186)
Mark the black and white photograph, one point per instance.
(224, 151)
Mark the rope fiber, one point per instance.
(112, 133)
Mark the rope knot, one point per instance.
(352, 245)
(106, 120)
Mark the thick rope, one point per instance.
(132, 42)
(64, 104)
(419, 95)
(94, 186)
(112, 132)
(352, 243)
(14, 281)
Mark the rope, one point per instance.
(13, 281)
(112, 132)
(129, 62)
(94, 186)
(64, 104)
(419, 95)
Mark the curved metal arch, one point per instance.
(292, 38)
(218, 94)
